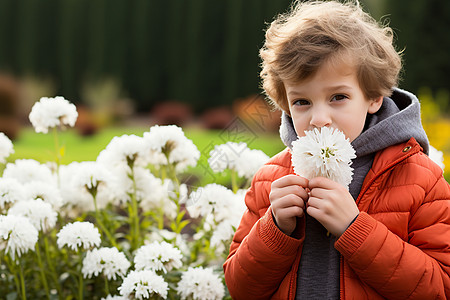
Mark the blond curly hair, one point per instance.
(298, 42)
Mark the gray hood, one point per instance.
(396, 122)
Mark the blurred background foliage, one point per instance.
(173, 60)
(201, 52)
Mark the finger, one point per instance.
(319, 193)
(317, 203)
(321, 182)
(289, 212)
(314, 212)
(288, 201)
(292, 189)
(290, 179)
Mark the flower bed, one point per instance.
(122, 227)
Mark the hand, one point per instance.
(287, 197)
(331, 204)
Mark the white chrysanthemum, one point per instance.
(78, 200)
(47, 192)
(123, 151)
(326, 153)
(215, 203)
(11, 190)
(17, 235)
(28, 170)
(437, 156)
(78, 234)
(200, 284)
(40, 213)
(51, 112)
(223, 233)
(143, 285)
(250, 161)
(177, 239)
(6, 147)
(158, 256)
(238, 157)
(108, 261)
(226, 156)
(171, 142)
(152, 192)
(95, 179)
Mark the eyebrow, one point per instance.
(338, 87)
(327, 89)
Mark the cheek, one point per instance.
(354, 126)
(300, 126)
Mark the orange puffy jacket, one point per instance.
(397, 248)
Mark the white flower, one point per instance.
(95, 179)
(222, 234)
(226, 156)
(17, 235)
(124, 151)
(170, 141)
(250, 161)
(152, 192)
(201, 284)
(143, 285)
(108, 261)
(47, 192)
(237, 157)
(40, 213)
(6, 147)
(158, 256)
(11, 190)
(79, 180)
(78, 234)
(215, 203)
(177, 239)
(28, 170)
(437, 156)
(326, 153)
(51, 112)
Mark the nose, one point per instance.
(320, 117)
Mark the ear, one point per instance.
(375, 105)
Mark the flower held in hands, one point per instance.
(324, 152)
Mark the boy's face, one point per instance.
(331, 97)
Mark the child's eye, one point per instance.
(301, 102)
(339, 97)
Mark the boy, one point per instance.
(331, 64)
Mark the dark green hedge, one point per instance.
(203, 52)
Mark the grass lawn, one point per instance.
(41, 147)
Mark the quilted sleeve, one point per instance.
(416, 269)
(260, 254)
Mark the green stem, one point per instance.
(22, 282)
(234, 184)
(41, 268)
(12, 269)
(102, 226)
(174, 177)
(57, 152)
(136, 231)
(133, 212)
(50, 265)
(160, 218)
(106, 286)
(80, 283)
